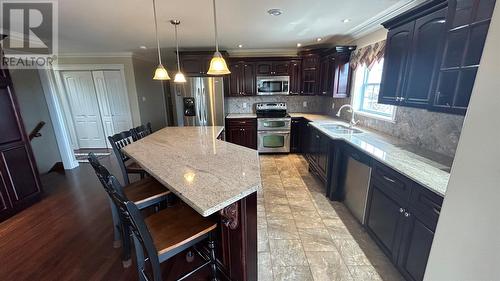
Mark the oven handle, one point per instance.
(274, 132)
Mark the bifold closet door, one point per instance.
(113, 101)
(84, 107)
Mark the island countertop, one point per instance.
(206, 173)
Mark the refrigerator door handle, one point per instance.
(205, 107)
(199, 106)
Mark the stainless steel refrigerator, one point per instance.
(200, 101)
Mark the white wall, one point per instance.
(467, 241)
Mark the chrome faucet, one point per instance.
(353, 122)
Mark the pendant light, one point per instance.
(179, 76)
(218, 65)
(160, 72)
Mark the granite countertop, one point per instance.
(388, 150)
(241, 115)
(206, 173)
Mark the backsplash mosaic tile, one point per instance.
(314, 104)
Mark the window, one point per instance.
(366, 88)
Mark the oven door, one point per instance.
(273, 124)
(273, 141)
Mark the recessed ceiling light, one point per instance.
(319, 39)
(299, 45)
(346, 20)
(143, 47)
(275, 12)
(240, 46)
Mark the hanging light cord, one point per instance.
(177, 47)
(215, 25)
(156, 32)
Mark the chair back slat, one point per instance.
(118, 142)
(141, 131)
(103, 174)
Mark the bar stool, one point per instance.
(141, 131)
(144, 193)
(163, 235)
(127, 165)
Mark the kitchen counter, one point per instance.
(428, 173)
(241, 115)
(206, 173)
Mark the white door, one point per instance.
(105, 108)
(84, 108)
(118, 100)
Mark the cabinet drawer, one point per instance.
(242, 122)
(393, 182)
(426, 202)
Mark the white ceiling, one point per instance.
(104, 26)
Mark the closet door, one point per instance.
(118, 100)
(104, 107)
(84, 108)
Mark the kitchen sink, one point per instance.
(341, 129)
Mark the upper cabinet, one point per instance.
(242, 78)
(272, 68)
(295, 72)
(432, 54)
(196, 63)
(342, 74)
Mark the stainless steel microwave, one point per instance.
(273, 85)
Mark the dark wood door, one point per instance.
(397, 48)
(5, 205)
(280, 68)
(326, 73)
(264, 68)
(384, 219)
(428, 38)
(323, 155)
(235, 79)
(242, 132)
(467, 28)
(296, 135)
(247, 79)
(249, 135)
(193, 65)
(295, 72)
(342, 76)
(415, 247)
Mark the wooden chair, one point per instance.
(165, 234)
(141, 131)
(144, 193)
(127, 165)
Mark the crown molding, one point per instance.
(262, 52)
(375, 22)
(96, 55)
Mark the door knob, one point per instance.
(401, 210)
(407, 214)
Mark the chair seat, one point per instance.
(144, 190)
(173, 227)
(133, 167)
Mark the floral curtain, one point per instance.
(368, 55)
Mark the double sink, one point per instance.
(340, 129)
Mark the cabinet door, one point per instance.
(395, 60)
(8, 119)
(309, 82)
(5, 205)
(249, 135)
(323, 152)
(247, 79)
(426, 48)
(342, 80)
(384, 219)
(295, 132)
(295, 73)
(326, 73)
(264, 67)
(193, 65)
(280, 68)
(415, 247)
(235, 79)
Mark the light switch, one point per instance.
(304, 103)
(245, 105)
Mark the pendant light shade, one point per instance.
(160, 72)
(218, 65)
(179, 76)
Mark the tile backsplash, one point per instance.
(314, 104)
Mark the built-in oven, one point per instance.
(273, 85)
(273, 135)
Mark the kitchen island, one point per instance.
(217, 179)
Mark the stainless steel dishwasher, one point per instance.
(356, 183)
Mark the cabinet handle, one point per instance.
(243, 129)
(401, 210)
(243, 122)
(389, 179)
(407, 215)
(402, 99)
(317, 136)
(324, 93)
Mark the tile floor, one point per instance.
(304, 236)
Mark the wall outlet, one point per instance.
(333, 105)
(304, 103)
(245, 105)
(143, 98)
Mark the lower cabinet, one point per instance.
(297, 134)
(402, 226)
(242, 131)
(317, 152)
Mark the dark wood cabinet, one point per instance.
(196, 63)
(310, 73)
(295, 72)
(242, 131)
(433, 53)
(342, 76)
(296, 134)
(242, 78)
(272, 68)
(402, 218)
(466, 30)
(19, 178)
(326, 75)
(318, 152)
